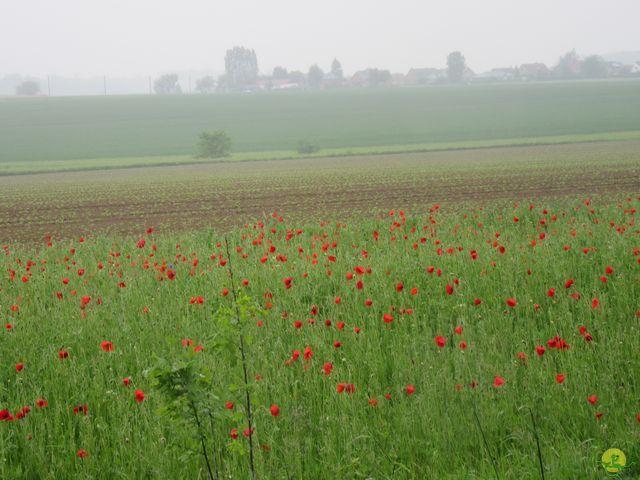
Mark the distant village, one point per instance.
(569, 67)
(242, 75)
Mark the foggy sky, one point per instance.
(146, 37)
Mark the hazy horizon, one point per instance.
(86, 38)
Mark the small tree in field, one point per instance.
(306, 147)
(214, 144)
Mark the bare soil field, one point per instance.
(182, 198)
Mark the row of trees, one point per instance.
(241, 73)
(571, 65)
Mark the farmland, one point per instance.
(89, 128)
(224, 195)
(449, 289)
(443, 344)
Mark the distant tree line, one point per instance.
(242, 75)
(28, 88)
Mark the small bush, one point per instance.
(307, 147)
(214, 144)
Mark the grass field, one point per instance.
(444, 345)
(85, 128)
(49, 166)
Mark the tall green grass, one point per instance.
(444, 429)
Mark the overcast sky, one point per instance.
(147, 37)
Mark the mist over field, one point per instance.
(69, 46)
(331, 240)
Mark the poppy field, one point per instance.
(485, 338)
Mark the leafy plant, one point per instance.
(306, 147)
(187, 387)
(187, 396)
(214, 144)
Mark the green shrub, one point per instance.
(214, 144)
(307, 147)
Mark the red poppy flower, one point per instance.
(560, 378)
(234, 433)
(557, 342)
(275, 410)
(82, 453)
(410, 389)
(440, 341)
(308, 353)
(139, 396)
(498, 382)
(19, 367)
(387, 318)
(512, 302)
(540, 350)
(592, 399)
(107, 346)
